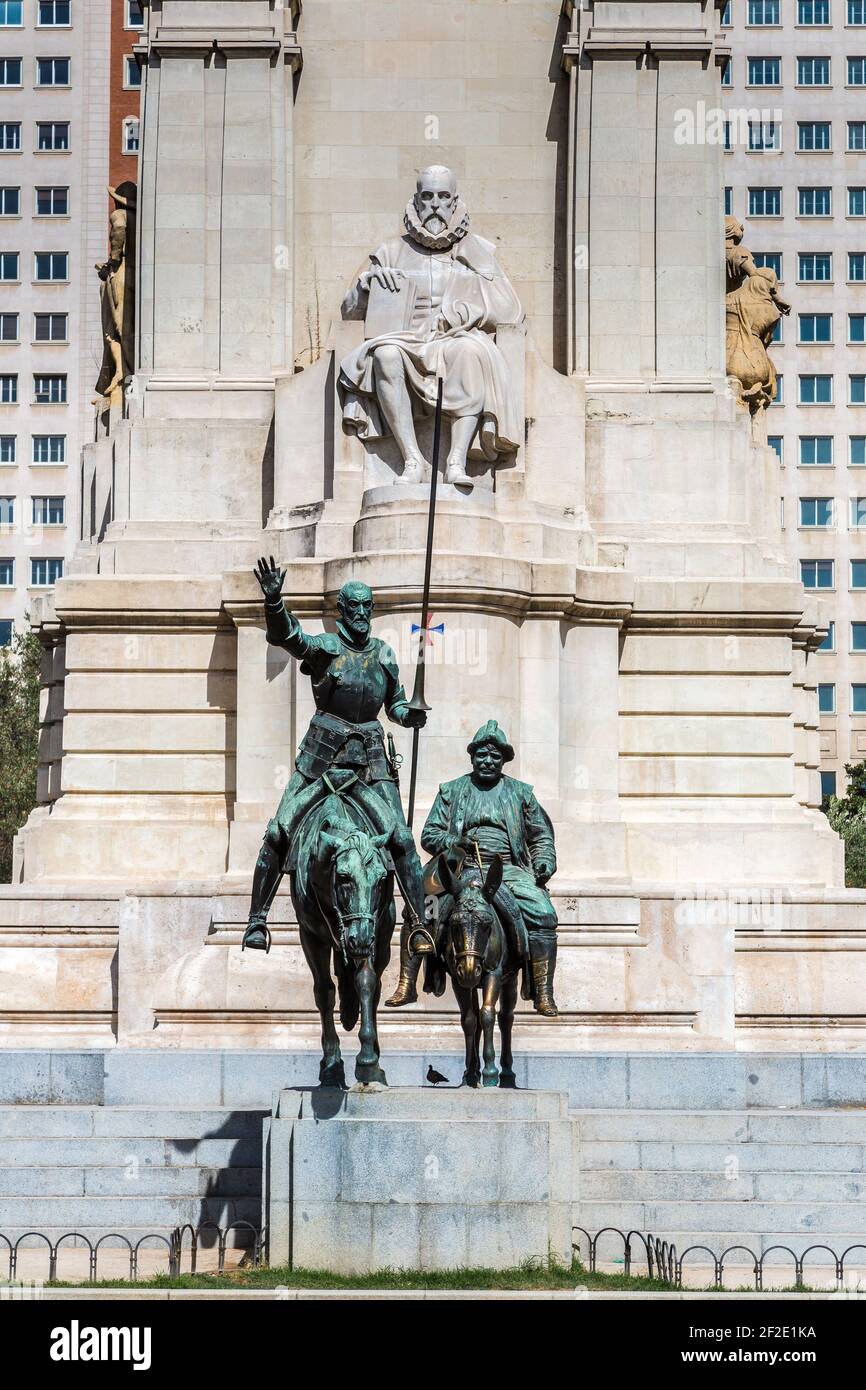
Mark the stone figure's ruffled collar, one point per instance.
(454, 232)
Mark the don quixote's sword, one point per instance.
(418, 702)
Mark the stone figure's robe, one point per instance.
(462, 296)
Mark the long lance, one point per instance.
(418, 702)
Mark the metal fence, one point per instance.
(643, 1255)
(186, 1239)
(663, 1263)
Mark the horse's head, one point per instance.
(471, 919)
(357, 872)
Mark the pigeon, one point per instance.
(435, 1077)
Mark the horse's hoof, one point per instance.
(370, 1076)
(332, 1074)
(470, 1078)
(490, 1078)
(507, 1081)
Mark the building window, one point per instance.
(727, 73)
(858, 513)
(134, 14)
(7, 511)
(10, 137)
(780, 391)
(8, 328)
(858, 637)
(858, 574)
(10, 72)
(9, 388)
(49, 388)
(55, 14)
(856, 72)
(49, 448)
(857, 450)
(857, 265)
(857, 328)
(729, 201)
(7, 572)
(856, 12)
(9, 267)
(51, 328)
(829, 643)
(11, 14)
(8, 448)
(816, 389)
(817, 574)
(10, 202)
(858, 699)
(816, 512)
(765, 202)
(816, 328)
(764, 12)
(7, 632)
(726, 20)
(813, 202)
(770, 260)
(52, 135)
(45, 571)
(815, 265)
(131, 135)
(857, 202)
(764, 72)
(49, 511)
(53, 72)
(813, 72)
(814, 12)
(52, 202)
(826, 699)
(52, 265)
(776, 443)
(857, 390)
(131, 73)
(856, 135)
(764, 135)
(828, 784)
(816, 450)
(813, 135)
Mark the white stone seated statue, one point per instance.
(432, 301)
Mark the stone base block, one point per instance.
(360, 1180)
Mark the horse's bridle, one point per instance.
(345, 919)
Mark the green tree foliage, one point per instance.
(847, 815)
(19, 740)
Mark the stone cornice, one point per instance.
(199, 41)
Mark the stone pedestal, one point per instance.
(357, 1181)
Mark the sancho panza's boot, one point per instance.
(542, 952)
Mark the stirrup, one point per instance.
(429, 948)
(257, 926)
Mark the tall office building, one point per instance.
(55, 94)
(795, 97)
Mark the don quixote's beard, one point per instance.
(458, 226)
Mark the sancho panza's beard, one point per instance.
(457, 228)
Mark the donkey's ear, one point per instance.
(446, 877)
(493, 880)
(329, 843)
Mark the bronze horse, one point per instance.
(475, 949)
(343, 892)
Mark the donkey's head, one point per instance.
(471, 920)
(358, 872)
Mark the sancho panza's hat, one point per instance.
(491, 733)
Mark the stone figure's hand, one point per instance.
(270, 578)
(383, 275)
(415, 719)
(543, 871)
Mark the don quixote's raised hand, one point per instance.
(271, 578)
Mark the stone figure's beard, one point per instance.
(454, 231)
